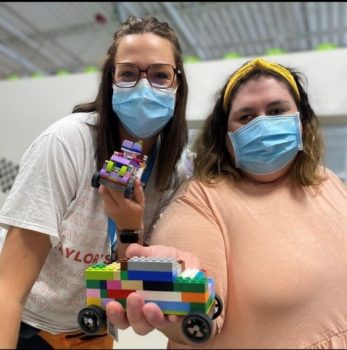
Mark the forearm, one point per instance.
(11, 314)
(17, 276)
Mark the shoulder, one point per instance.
(331, 179)
(198, 191)
(73, 137)
(75, 130)
(72, 124)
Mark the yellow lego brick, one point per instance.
(93, 301)
(135, 285)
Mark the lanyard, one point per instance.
(111, 224)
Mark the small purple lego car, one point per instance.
(120, 172)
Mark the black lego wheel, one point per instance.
(96, 180)
(218, 307)
(92, 319)
(197, 327)
(130, 187)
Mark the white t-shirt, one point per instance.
(52, 194)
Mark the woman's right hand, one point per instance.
(143, 318)
(127, 213)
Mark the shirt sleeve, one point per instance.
(189, 224)
(43, 189)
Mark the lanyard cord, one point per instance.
(111, 224)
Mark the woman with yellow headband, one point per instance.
(263, 217)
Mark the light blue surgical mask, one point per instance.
(267, 143)
(143, 110)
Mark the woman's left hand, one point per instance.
(128, 213)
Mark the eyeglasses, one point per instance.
(159, 75)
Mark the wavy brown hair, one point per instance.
(173, 137)
(213, 160)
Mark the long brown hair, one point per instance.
(212, 159)
(173, 137)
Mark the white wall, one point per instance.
(28, 106)
(326, 73)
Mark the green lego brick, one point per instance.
(101, 271)
(124, 275)
(93, 284)
(103, 293)
(174, 312)
(99, 275)
(190, 284)
(123, 302)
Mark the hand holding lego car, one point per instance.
(144, 317)
(128, 213)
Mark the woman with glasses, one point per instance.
(265, 219)
(57, 224)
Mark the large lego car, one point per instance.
(120, 171)
(163, 281)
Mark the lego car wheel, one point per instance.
(218, 307)
(92, 319)
(197, 327)
(130, 187)
(96, 180)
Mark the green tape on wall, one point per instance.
(275, 51)
(62, 72)
(90, 69)
(325, 46)
(231, 55)
(191, 59)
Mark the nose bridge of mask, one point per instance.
(262, 118)
(144, 90)
(167, 91)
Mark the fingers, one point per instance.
(155, 316)
(126, 212)
(136, 250)
(112, 196)
(110, 205)
(116, 315)
(191, 261)
(136, 318)
(143, 318)
(139, 196)
(117, 197)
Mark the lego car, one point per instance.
(163, 281)
(121, 170)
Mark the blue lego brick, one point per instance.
(151, 276)
(171, 306)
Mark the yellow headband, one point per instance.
(257, 62)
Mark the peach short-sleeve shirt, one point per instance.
(278, 253)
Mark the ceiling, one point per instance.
(44, 38)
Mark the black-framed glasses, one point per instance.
(159, 75)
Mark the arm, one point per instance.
(189, 228)
(21, 260)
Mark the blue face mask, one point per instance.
(267, 143)
(142, 110)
